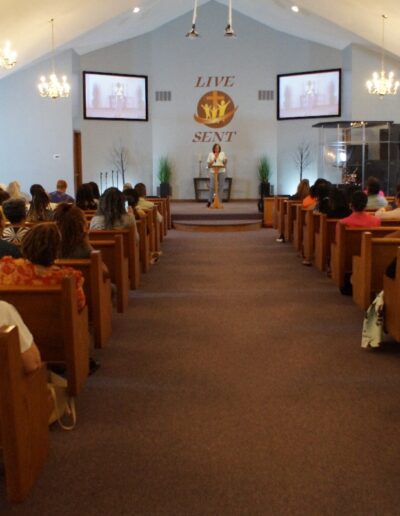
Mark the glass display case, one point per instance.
(350, 152)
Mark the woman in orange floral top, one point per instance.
(40, 248)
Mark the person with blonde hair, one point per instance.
(14, 191)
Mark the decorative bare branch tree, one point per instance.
(120, 158)
(303, 157)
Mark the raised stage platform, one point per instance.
(235, 216)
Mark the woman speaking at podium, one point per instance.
(216, 159)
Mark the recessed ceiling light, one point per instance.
(295, 9)
(136, 10)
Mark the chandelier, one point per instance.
(229, 32)
(380, 84)
(8, 57)
(52, 87)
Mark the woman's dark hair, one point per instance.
(34, 188)
(3, 196)
(141, 189)
(39, 209)
(71, 222)
(373, 186)
(337, 200)
(14, 210)
(112, 207)
(132, 197)
(41, 244)
(84, 197)
(216, 145)
(95, 190)
(359, 201)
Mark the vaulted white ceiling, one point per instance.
(86, 25)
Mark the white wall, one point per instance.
(33, 129)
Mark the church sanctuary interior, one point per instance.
(223, 338)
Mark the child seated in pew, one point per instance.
(376, 198)
(40, 247)
(132, 197)
(7, 248)
(143, 203)
(112, 213)
(30, 354)
(15, 212)
(84, 197)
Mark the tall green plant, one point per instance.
(264, 169)
(164, 171)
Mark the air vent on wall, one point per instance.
(266, 95)
(163, 96)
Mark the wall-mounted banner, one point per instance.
(215, 109)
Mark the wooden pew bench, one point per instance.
(289, 218)
(370, 266)
(391, 295)
(131, 249)
(112, 252)
(324, 236)
(97, 289)
(25, 408)
(59, 329)
(348, 244)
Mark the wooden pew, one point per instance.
(97, 289)
(298, 224)
(370, 266)
(161, 203)
(391, 293)
(24, 418)
(281, 210)
(289, 218)
(144, 244)
(347, 245)
(324, 236)
(268, 212)
(59, 329)
(112, 252)
(310, 227)
(131, 249)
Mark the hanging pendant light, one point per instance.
(193, 34)
(52, 87)
(380, 84)
(229, 32)
(8, 57)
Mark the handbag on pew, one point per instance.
(64, 412)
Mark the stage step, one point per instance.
(217, 226)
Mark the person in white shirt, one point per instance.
(216, 158)
(385, 214)
(29, 352)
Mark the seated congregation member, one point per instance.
(95, 192)
(359, 217)
(322, 192)
(30, 354)
(7, 248)
(132, 198)
(15, 212)
(310, 201)
(111, 213)
(40, 247)
(376, 199)
(394, 213)
(72, 225)
(84, 197)
(60, 195)
(14, 190)
(338, 207)
(39, 209)
(143, 203)
(303, 189)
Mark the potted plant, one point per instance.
(264, 171)
(164, 176)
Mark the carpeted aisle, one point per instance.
(234, 385)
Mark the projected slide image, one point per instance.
(309, 95)
(115, 97)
